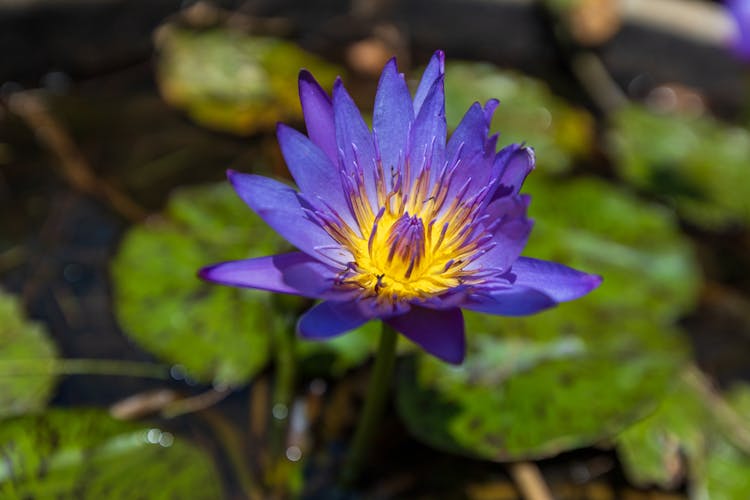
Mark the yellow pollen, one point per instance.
(401, 255)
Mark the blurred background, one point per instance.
(123, 376)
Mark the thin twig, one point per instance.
(195, 403)
(593, 76)
(31, 108)
(733, 425)
(12, 257)
(530, 481)
(584, 64)
(232, 441)
(108, 367)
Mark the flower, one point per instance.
(396, 224)
(739, 11)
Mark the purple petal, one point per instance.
(429, 131)
(329, 319)
(489, 111)
(318, 280)
(515, 162)
(392, 116)
(739, 11)
(280, 207)
(560, 282)
(439, 332)
(353, 137)
(510, 234)
(513, 301)
(318, 112)
(471, 133)
(434, 70)
(263, 273)
(312, 170)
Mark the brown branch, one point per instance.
(30, 107)
(530, 481)
(731, 423)
(195, 403)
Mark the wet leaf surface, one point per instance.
(86, 454)
(696, 163)
(577, 374)
(695, 436)
(230, 81)
(26, 354)
(216, 333)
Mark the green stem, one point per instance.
(372, 412)
(233, 441)
(283, 389)
(29, 367)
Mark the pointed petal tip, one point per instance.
(205, 272)
(306, 76)
(440, 56)
(531, 154)
(231, 174)
(594, 281)
(489, 109)
(306, 81)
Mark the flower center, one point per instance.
(419, 242)
(400, 259)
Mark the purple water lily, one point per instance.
(396, 224)
(739, 10)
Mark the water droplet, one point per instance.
(293, 453)
(545, 117)
(166, 439)
(318, 387)
(279, 411)
(177, 372)
(73, 273)
(8, 88)
(153, 436)
(56, 81)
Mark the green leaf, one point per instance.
(230, 81)
(696, 163)
(577, 374)
(26, 342)
(649, 268)
(690, 434)
(528, 112)
(217, 333)
(85, 454)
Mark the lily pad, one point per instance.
(694, 162)
(86, 454)
(649, 268)
(569, 377)
(25, 352)
(231, 81)
(528, 112)
(216, 333)
(689, 437)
